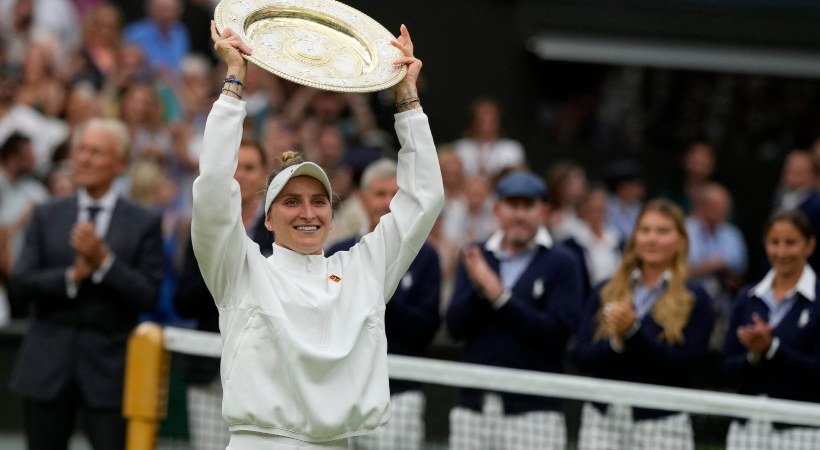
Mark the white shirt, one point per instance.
(488, 159)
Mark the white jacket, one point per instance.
(305, 354)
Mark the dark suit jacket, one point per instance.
(83, 339)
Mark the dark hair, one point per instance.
(286, 159)
(13, 145)
(256, 145)
(795, 217)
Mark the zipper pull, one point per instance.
(308, 263)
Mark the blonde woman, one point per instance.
(645, 325)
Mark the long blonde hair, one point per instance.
(673, 308)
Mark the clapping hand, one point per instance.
(90, 248)
(484, 279)
(756, 337)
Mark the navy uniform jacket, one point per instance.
(530, 331)
(411, 317)
(811, 207)
(646, 358)
(793, 372)
(83, 339)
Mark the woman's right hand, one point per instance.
(230, 48)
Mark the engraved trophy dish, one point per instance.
(324, 44)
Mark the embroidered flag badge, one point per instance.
(334, 278)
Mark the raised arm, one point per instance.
(217, 231)
(413, 211)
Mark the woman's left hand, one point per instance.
(406, 88)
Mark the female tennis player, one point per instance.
(304, 362)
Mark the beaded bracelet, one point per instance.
(232, 79)
(237, 94)
(407, 102)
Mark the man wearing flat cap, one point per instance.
(516, 303)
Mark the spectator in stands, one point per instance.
(448, 234)
(799, 190)
(626, 188)
(82, 105)
(99, 54)
(698, 166)
(46, 133)
(41, 88)
(471, 219)
(61, 180)
(515, 304)
(328, 151)
(597, 244)
(647, 324)
(483, 150)
(91, 263)
(23, 22)
(717, 252)
(411, 318)
(193, 300)
(773, 344)
(280, 135)
(567, 185)
(162, 36)
(19, 190)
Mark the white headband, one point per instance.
(308, 169)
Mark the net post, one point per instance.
(146, 386)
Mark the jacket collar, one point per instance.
(805, 285)
(542, 238)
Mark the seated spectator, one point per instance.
(99, 53)
(41, 88)
(798, 190)
(698, 166)
(162, 36)
(46, 133)
(647, 324)
(483, 149)
(626, 190)
(567, 185)
(472, 219)
(772, 346)
(597, 244)
(717, 252)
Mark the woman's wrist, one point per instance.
(407, 104)
(234, 82)
(407, 99)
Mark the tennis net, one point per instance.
(596, 414)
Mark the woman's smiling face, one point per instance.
(787, 248)
(300, 216)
